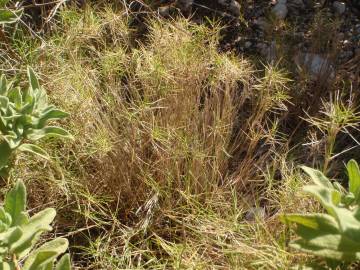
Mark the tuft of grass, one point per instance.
(175, 143)
(158, 130)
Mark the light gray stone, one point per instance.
(357, 28)
(280, 10)
(235, 8)
(164, 11)
(248, 44)
(316, 65)
(339, 7)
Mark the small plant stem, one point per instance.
(17, 266)
(329, 148)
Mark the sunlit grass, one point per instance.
(174, 143)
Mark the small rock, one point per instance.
(296, 7)
(262, 23)
(280, 10)
(261, 45)
(341, 36)
(184, 5)
(248, 44)
(235, 8)
(339, 7)
(297, 4)
(316, 65)
(269, 52)
(255, 213)
(357, 28)
(164, 11)
(232, 6)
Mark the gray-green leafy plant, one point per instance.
(19, 234)
(24, 117)
(8, 15)
(334, 235)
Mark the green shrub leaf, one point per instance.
(19, 234)
(15, 96)
(37, 224)
(326, 196)
(313, 221)
(24, 116)
(64, 263)
(5, 153)
(46, 254)
(5, 217)
(318, 177)
(52, 114)
(50, 131)
(354, 177)
(15, 201)
(34, 149)
(34, 82)
(11, 235)
(6, 266)
(336, 235)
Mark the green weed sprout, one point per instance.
(24, 117)
(19, 234)
(8, 15)
(334, 236)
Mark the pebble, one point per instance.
(316, 65)
(297, 4)
(262, 47)
(232, 6)
(339, 7)
(357, 28)
(164, 11)
(248, 44)
(280, 10)
(341, 36)
(262, 23)
(184, 5)
(255, 213)
(269, 52)
(235, 8)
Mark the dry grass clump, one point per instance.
(158, 117)
(172, 143)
